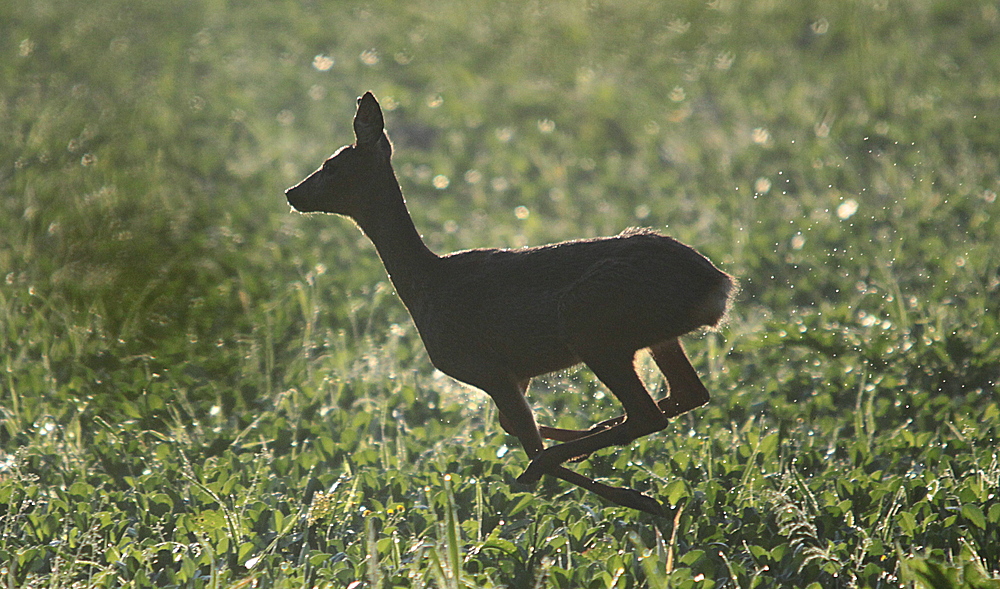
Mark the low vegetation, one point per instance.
(201, 389)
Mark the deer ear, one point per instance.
(368, 123)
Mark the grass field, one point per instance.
(199, 388)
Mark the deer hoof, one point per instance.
(634, 499)
(637, 500)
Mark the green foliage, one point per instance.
(199, 389)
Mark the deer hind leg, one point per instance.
(618, 495)
(643, 416)
(686, 390)
(568, 435)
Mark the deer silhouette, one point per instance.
(495, 318)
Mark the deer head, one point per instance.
(345, 179)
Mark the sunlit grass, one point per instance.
(200, 389)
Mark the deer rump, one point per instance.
(536, 310)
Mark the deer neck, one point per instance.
(390, 228)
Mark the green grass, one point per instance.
(200, 389)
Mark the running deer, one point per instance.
(495, 318)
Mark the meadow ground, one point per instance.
(201, 389)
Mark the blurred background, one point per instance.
(814, 150)
(840, 158)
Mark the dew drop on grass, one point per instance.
(322, 63)
(286, 117)
(724, 60)
(678, 26)
(847, 209)
(317, 92)
(26, 48)
(369, 57)
(760, 136)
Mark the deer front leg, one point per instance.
(516, 419)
